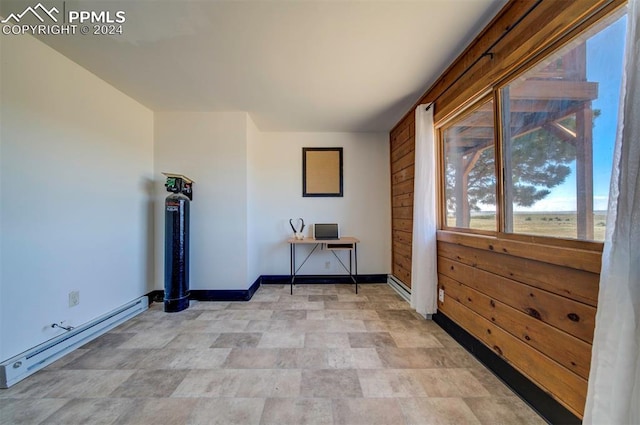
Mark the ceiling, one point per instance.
(351, 66)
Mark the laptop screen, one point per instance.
(326, 231)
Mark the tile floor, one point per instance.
(323, 355)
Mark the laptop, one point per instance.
(326, 231)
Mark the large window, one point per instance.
(559, 129)
(469, 168)
(558, 122)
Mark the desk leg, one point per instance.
(351, 269)
(292, 261)
(355, 250)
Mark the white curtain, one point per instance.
(613, 396)
(423, 268)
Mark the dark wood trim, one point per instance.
(552, 411)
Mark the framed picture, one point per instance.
(321, 172)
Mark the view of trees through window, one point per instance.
(559, 122)
(560, 136)
(470, 170)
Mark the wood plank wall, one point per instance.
(402, 171)
(532, 303)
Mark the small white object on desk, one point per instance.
(297, 233)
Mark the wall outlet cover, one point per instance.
(74, 298)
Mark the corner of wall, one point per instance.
(152, 269)
(253, 139)
(276, 196)
(213, 151)
(1, 205)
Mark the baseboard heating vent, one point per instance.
(399, 287)
(19, 367)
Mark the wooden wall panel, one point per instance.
(403, 162)
(402, 260)
(403, 188)
(545, 372)
(403, 225)
(542, 305)
(403, 200)
(403, 212)
(402, 143)
(521, 309)
(564, 281)
(583, 259)
(532, 302)
(404, 149)
(403, 175)
(570, 352)
(402, 250)
(403, 238)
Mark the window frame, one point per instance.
(495, 93)
(442, 193)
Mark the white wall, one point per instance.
(1, 202)
(76, 167)
(253, 209)
(210, 148)
(248, 185)
(364, 211)
(81, 195)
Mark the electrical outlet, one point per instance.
(74, 298)
(441, 295)
(327, 265)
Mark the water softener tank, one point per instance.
(176, 249)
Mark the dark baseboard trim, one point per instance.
(157, 296)
(225, 294)
(212, 294)
(308, 279)
(552, 411)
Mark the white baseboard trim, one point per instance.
(19, 367)
(399, 287)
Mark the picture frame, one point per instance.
(322, 174)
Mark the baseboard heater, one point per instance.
(399, 287)
(19, 367)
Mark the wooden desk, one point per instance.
(347, 243)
